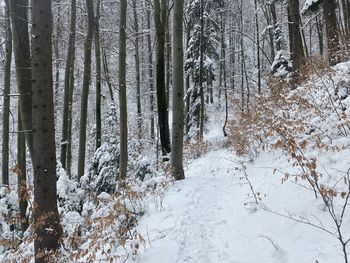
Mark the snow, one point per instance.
(211, 217)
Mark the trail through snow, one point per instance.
(210, 217)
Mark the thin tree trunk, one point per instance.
(21, 48)
(178, 93)
(258, 64)
(66, 143)
(98, 76)
(22, 175)
(86, 87)
(160, 14)
(47, 227)
(150, 68)
(6, 97)
(201, 73)
(57, 38)
(123, 164)
(137, 72)
(106, 73)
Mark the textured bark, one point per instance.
(296, 44)
(137, 71)
(46, 219)
(21, 48)
(331, 31)
(257, 32)
(86, 87)
(178, 93)
(160, 17)
(68, 90)
(6, 98)
(98, 76)
(123, 164)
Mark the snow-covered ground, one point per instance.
(210, 217)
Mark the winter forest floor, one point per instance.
(212, 217)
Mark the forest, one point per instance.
(175, 131)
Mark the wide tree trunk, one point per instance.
(160, 18)
(178, 92)
(68, 90)
(123, 112)
(6, 97)
(21, 48)
(86, 87)
(46, 219)
(296, 43)
(332, 31)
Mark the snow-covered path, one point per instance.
(210, 218)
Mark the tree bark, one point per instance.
(98, 76)
(46, 219)
(201, 73)
(6, 97)
(123, 164)
(296, 43)
(160, 14)
(21, 48)
(86, 87)
(22, 174)
(331, 31)
(66, 143)
(178, 93)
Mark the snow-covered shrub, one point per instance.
(144, 169)
(70, 196)
(281, 66)
(102, 172)
(8, 215)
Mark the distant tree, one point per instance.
(6, 97)
(86, 87)
(66, 141)
(178, 92)
(46, 224)
(160, 19)
(123, 163)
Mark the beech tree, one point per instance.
(178, 92)
(46, 223)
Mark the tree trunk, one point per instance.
(6, 98)
(66, 143)
(22, 174)
(86, 87)
(178, 93)
(137, 72)
(98, 76)
(150, 68)
(21, 47)
(123, 111)
(160, 13)
(296, 43)
(257, 45)
(46, 219)
(331, 31)
(201, 73)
